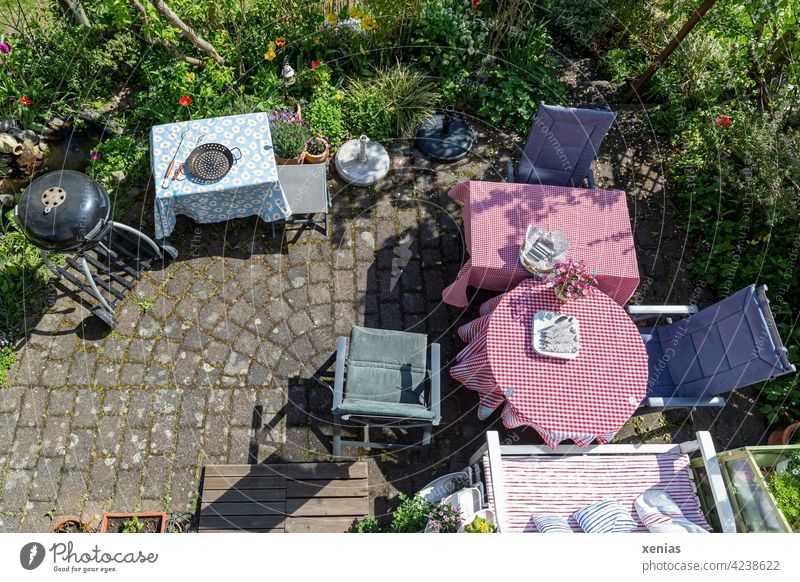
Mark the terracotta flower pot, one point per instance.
(108, 518)
(783, 436)
(318, 158)
(71, 525)
(290, 161)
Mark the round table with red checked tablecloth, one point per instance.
(583, 399)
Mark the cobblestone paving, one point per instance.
(225, 355)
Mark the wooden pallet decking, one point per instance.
(291, 497)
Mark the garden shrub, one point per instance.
(23, 279)
(390, 104)
(326, 119)
(582, 21)
(446, 36)
(121, 154)
(734, 181)
(412, 514)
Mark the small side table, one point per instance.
(306, 189)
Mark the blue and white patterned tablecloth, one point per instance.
(249, 188)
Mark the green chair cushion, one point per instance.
(386, 366)
(377, 409)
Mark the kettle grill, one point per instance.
(68, 212)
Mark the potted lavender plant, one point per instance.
(289, 137)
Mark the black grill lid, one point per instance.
(60, 211)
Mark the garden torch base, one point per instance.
(362, 162)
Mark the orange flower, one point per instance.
(185, 101)
(25, 100)
(280, 42)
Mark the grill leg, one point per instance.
(47, 264)
(95, 291)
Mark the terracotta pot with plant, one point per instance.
(141, 522)
(289, 137)
(789, 435)
(317, 150)
(71, 525)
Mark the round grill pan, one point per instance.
(210, 162)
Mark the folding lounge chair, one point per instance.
(561, 146)
(693, 361)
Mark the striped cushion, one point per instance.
(551, 524)
(605, 517)
(561, 485)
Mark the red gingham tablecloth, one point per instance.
(583, 399)
(496, 217)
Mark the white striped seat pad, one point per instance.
(562, 485)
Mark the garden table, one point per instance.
(583, 399)
(496, 217)
(250, 187)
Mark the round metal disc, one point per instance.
(361, 173)
(442, 142)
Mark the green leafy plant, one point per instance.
(23, 280)
(146, 304)
(325, 117)
(122, 156)
(785, 487)
(447, 36)
(390, 104)
(480, 525)
(582, 22)
(366, 525)
(7, 358)
(412, 514)
(133, 525)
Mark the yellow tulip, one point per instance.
(331, 19)
(355, 12)
(190, 76)
(339, 96)
(369, 23)
(270, 54)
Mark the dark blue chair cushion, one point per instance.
(562, 144)
(386, 366)
(721, 348)
(659, 380)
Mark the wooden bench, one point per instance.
(291, 497)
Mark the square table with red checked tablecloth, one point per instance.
(496, 217)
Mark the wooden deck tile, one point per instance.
(290, 497)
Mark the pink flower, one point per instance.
(95, 155)
(5, 48)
